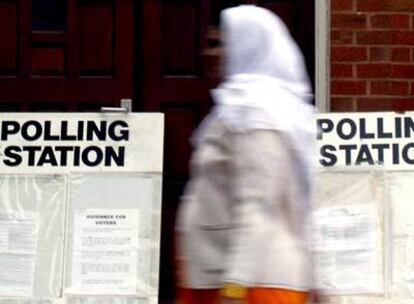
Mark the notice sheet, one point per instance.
(105, 245)
(344, 243)
(18, 252)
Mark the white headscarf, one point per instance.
(265, 81)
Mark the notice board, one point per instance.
(363, 233)
(80, 207)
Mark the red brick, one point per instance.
(369, 104)
(391, 88)
(405, 104)
(397, 21)
(339, 87)
(341, 5)
(405, 38)
(380, 54)
(342, 37)
(370, 5)
(373, 70)
(374, 37)
(348, 54)
(412, 89)
(385, 5)
(343, 104)
(349, 21)
(341, 70)
(400, 5)
(389, 54)
(401, 55)
(385, 104)
(385, 38)
(402, 71)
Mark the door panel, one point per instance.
(173, 37)
(83, 61)
(96, 28)
(49, 15)
(8, 38)
(173, 40)
(180, 52)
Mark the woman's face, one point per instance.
(213, 54)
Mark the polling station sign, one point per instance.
(62, 142)
(87, 187)
(366, 139)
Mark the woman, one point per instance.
(242, 223)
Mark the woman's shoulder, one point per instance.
(216, 129)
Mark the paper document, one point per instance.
(348, 271)
(344, 244)
(18, 252)
(344, 228)
(105, 245)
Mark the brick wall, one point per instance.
(372, 55)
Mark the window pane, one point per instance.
(49, 15)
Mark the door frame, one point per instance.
(322, 55)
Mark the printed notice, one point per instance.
(344, 241)
(347, 272)
(18, 252)
(105, 245)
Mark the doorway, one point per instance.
(178, 66)
(80, 55)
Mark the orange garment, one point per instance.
(254, 296)
(276, 296)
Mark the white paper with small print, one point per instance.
(105, 243)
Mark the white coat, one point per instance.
(239, 220)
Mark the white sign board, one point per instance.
(94, 183)
(381, 144)
(81, 142)
(366, 139)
